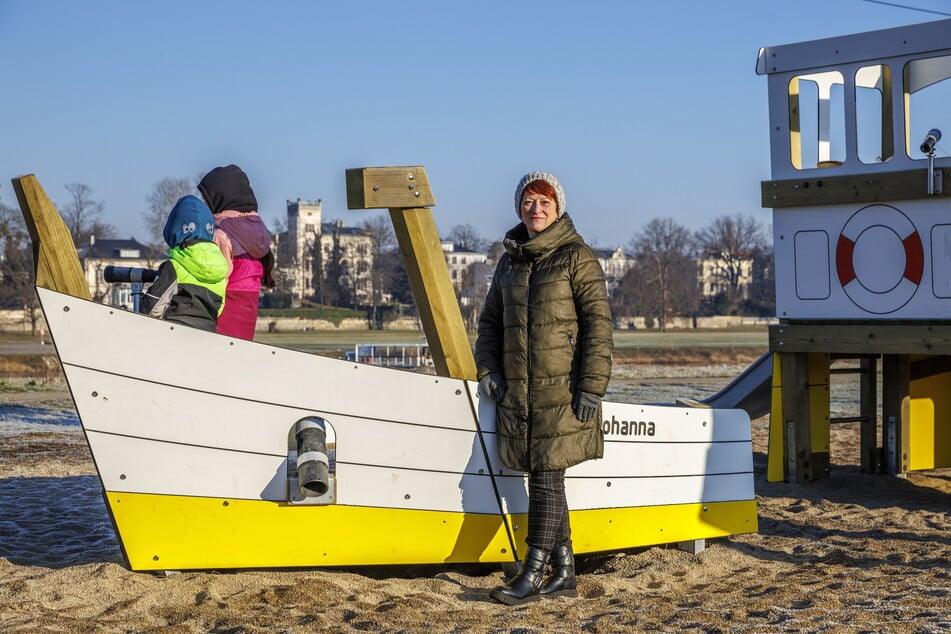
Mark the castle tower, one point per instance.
(304, 218)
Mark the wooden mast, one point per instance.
(54, 255)
(406, 193)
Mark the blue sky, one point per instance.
(642, 109)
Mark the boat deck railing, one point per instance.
(392, 355)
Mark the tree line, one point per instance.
(663, 283)
(82, 215)
(734, 253)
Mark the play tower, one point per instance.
(861, 199)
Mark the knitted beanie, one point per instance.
(531, 177)
(190, 219)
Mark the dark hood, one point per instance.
(228, 187)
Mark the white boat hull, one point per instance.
(192, 435)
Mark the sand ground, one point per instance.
(854, 553)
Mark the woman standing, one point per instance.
(543, 354)
(244, 240)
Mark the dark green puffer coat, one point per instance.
(546, 326)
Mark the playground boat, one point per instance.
(221, 453)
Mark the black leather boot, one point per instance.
(562, 582)
(525, 585)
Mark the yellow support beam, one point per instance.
(54, 254)
(406, 193)
(775, 452)
(388, 187)
(799, 433)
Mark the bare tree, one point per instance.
(102, 230)
(285, 281)
(81, 214)
(318, 281)
(666, 275)
(467, 238)
(338, 279)
(762, 299)
(472, 289)
(395, 278)
(16, 266)
(732, 245)
(628, 298)
(285, 272)
(165, 193)
(382, 239)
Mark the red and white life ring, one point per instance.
(879, 259)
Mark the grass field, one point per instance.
(682, 347)
(633, 346)
(623, 339)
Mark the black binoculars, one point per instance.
(118, 274)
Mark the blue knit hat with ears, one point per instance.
(531, 177)
(190, 219)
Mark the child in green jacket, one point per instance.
(190, 287)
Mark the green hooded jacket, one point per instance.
(547, 327)
(190, 287)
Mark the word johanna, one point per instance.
(615, 427)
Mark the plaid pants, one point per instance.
(547, 510)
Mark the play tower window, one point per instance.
(816, 120)
(927, 94)
(873, 114)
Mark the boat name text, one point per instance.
(615, 427)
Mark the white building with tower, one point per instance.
(296, 253)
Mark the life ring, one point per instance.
(887, 271)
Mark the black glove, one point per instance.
(585, 405)
(493, 385)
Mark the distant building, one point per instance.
(459, 260)
(717, 274)
(98, 254)
(615, 263)
(295, 255)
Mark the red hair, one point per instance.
(541, 188)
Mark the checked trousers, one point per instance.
(548, 525)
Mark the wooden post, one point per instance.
(804, 408)
(795, 398)
(406, 193)
(820, 435)
(896, 401)
(776, 467)
(871, 458)
(54, 255)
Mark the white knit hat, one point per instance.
(531, 177)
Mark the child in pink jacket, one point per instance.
(245, 241)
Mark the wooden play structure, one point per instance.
(861, 200)
(249, 455)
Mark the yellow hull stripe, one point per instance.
(618, 528)
(165, 532)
